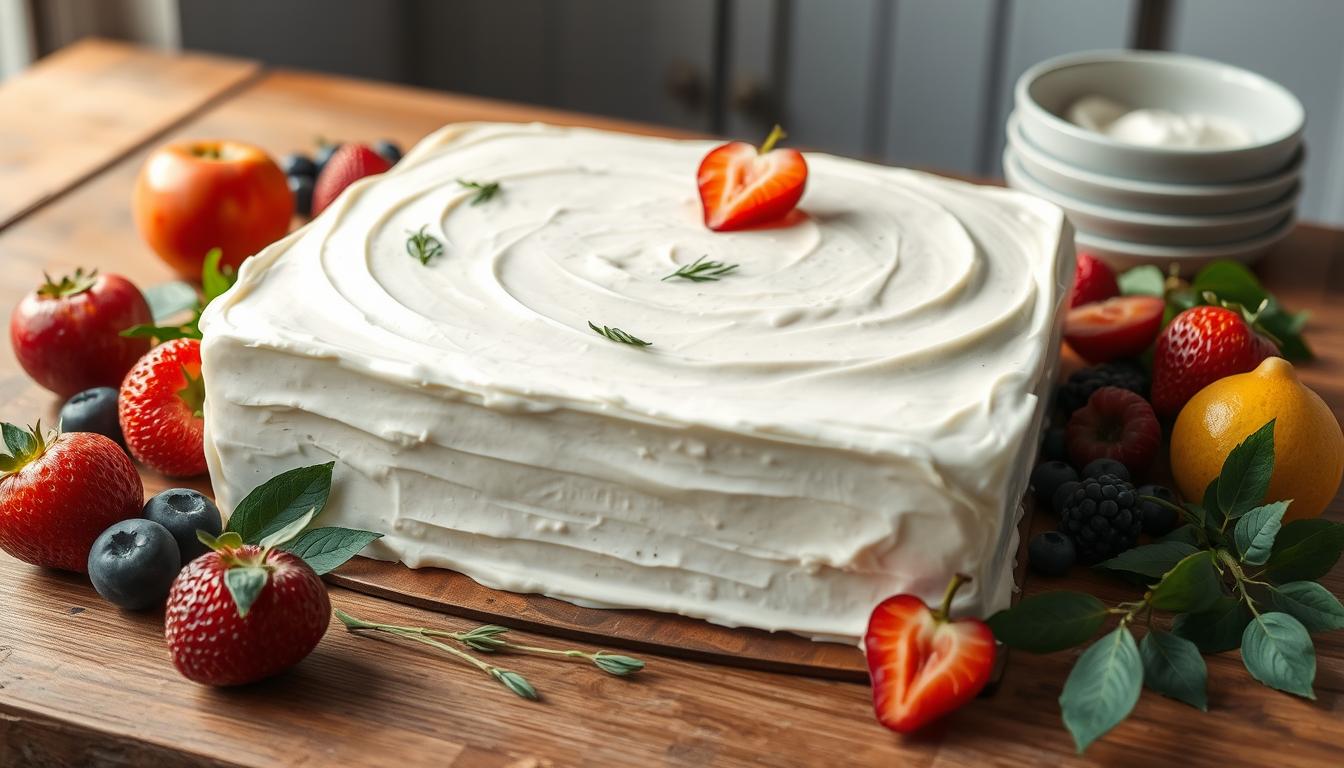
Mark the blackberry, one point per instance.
(1074, 392)
(1102, 517)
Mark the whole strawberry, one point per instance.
(57, 494)
(160, 408)
(1200, 346)
(67, 333)
(1092, 281)
(347, 165)
(243, 613)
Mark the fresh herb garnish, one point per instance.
(702, 270)
(423, 246)
(617, 335)
(1235, 575)
(490, 639)
(214, 282)
(484, 190)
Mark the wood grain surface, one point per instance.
(87, 105)
(82, 683)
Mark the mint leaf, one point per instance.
(1305, 550)
(245, 584)
(1049, 622)
(280, 501)
(1217, 629)
(1102, 688)
(1186, 534)
(171, 298)
(1277, 651)
(1230, 281)
(215, 282)
(290, 531)
(1146, 280)
(1173, 667)
(1309, 603)
(1245, 476)
(326, 549)
(1255, 532)
(1152, 560)
(163, 333)
(1189, 587)
(1213, 515)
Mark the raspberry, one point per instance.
(1115, 424)
(1102, 517)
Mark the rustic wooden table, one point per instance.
(84, 684)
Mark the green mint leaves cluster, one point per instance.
(1223, 282)
(277, 514)
(1235, 576)
(174, 298)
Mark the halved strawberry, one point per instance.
(160, 408)
(1092, 281)
(923, 665)
(1120, 327)
(741, 186)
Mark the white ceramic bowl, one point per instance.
(1159, 80)
(1150, 196)
(1188, 259)
(1152, 228)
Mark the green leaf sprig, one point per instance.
(485, 190)
(214, 282)
(423, 246)
(1235, 576)
(1223, 283)
(619, 336)
(490, 639)
(277, 515)
(702, 270)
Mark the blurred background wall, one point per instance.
(915, 82)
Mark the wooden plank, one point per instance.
(51, 140)
(81, 682)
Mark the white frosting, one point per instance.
(1157, 127)
(850, 414)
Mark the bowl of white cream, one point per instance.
(1159, 117)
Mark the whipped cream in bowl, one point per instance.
(1153, 127)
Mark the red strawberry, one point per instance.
(1200, 346)
(66, 334)
(922, 664)
(1115, 424)
(349, 164)
(1092, 281)
(1120, 327)
(242, 613)
(58, 494)
(160, 409)
(741, 187)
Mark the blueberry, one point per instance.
(324, 154)
(93, 410)
(1053, 445)
(298, 164)
(302, 187)
(1099, 467)
(183, 512)
(1062, 495)
(1158, 519)
(1047, 477)
(389, 150)
(133, 564)
(1051, 553)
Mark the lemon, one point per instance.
(1308, 443)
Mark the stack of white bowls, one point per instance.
(1139, 204)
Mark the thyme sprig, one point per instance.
(702, 270)
(423, 246)
(489, 639)
(484, 190)
(617, 335)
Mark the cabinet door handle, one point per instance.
(686, 86)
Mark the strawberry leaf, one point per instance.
(1244, 480)
(245, 585)
(168, 299)
(1102, 688)
(20, 442)
(1277, 651)
(1146, 280)
(215, 282)
(1256, 531)
(281, 500)
(1173, 667)
(326, 549)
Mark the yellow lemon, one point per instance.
(1308, 443)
